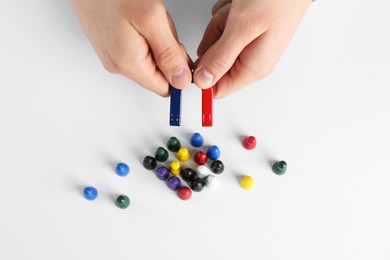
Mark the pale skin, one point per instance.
(242, 43)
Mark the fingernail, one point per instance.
(204, 78)
(180, 78)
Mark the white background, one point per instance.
(65, 122)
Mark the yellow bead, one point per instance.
(247, 182)
(175, 168)
(183, 154)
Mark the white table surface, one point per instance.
(65, 123)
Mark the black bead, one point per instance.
(217, 167)
(197, 185)
(188, 174)
(149, 162)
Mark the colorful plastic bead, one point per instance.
(202, 171)
(184, 193)
(200, 157)
(249, 142)
(279, 168)
(161, 154)
(162, 173)
(217, 167)
(175, 168)
(247, 182)
(173, 144)
(122, 169)
(122, 201)
(197, 185)
(196, 140)
(183, 154)
(149, 162)
(188, 174)
(213, 153)
(173, 183)
(90, 193)
(211, 182)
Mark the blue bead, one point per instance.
(122, 169)
(162, 173)
(90, 193)
(196, 140)
(213, 153)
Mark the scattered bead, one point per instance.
(173, 183)
(217, 167)
(122, 201)
(279, 168)
(162, 173)
(196, 140)
(173, 144)
(183, 154)
(149, 162)
(197, 185)
(90, 193)
(184, 193)
(122, 169)
(200, 157)
(202, 171)
(188, 174)
(249, 142)
(175, 168)
(211, 182)
(247, 182)
(161, 154)
(213, 153)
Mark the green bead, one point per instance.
(173, 144)
(161, 154)
(122, 201)
(279, 168)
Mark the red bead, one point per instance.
(184, 193)
(200, 158)
(249, 142)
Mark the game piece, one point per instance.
(213, 153)
(122, 169)
(196, 140)
(175, 168)
(249, 142)
(122, 201)
(197, 185)
(173, 144)
(183, 154)
(90, 193)
(173, 183)
(161, 154)
(188, 174)
(279, 168)
(211, 182)
(207, 107)
(247, 182)
(184, 193)
(202, 171)
(162, 173)
(217, 167)
(149, 162)
(175, 107)
(200, 157)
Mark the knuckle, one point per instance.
(221, 63)
(166, 56)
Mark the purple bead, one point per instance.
(162, 173)
(173, 183)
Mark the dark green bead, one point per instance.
(122, 201)
(279, 168)
(161, 154)
(173, 144)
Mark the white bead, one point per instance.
(211, 182)
(202, 171)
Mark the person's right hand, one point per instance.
(138, 39)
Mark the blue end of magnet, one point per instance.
(175, 107)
